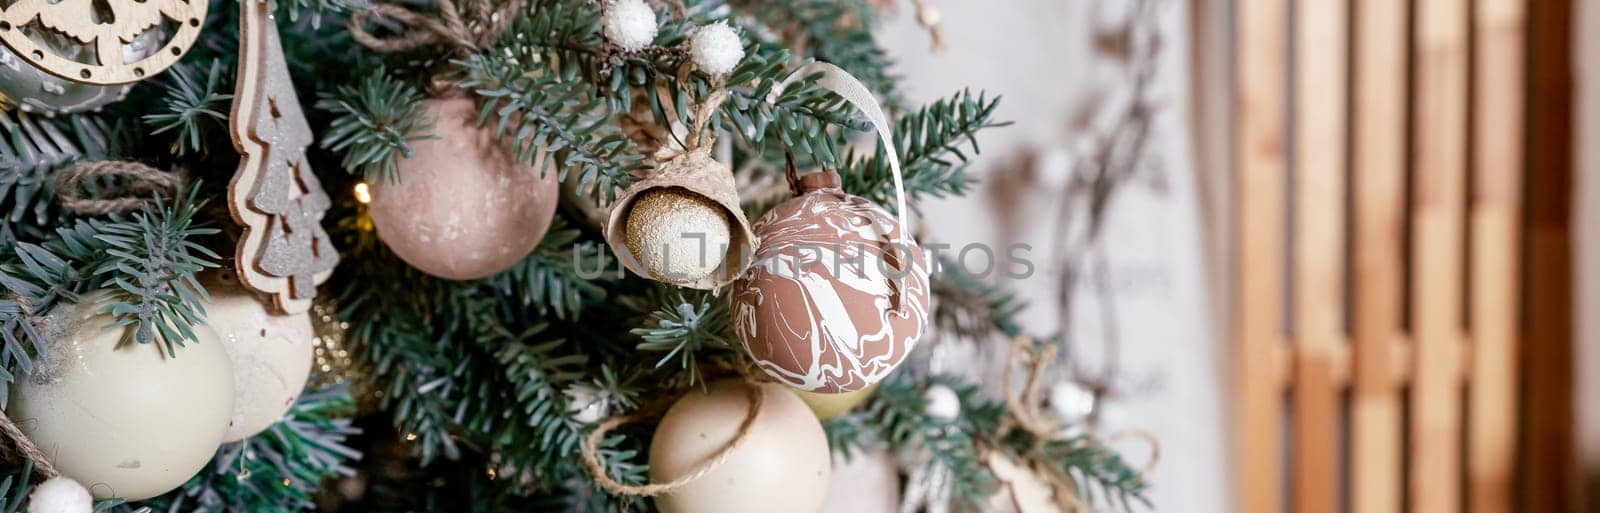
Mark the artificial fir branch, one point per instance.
(971, 308)
(147, 260)
(931, 142)
(896, 416)
(553, 278)
(531, 100)
(374, 125)
(828, 30)
(686, 327)
(190, 108)
(150, 265)
(32, 148)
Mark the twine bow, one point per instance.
(479, 25)
(699, 137)
(1024, 414)
(144, 183)
(20, 444)
(591, 448)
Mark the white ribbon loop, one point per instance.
(841, 82)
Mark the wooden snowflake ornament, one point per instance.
(106, 25)
(276, 197)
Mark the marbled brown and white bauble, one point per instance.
(464, 207)
(831, 305)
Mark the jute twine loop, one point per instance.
(144, 183)
(702, 115)
(477, 27)
(1024, 409)
(591, 449)
(20, 444)
(699, 138)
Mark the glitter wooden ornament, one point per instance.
(271, 355)
(782, 465)
(30, 89)
(101, 26)
(124, 419)
(464, 207)
(275, 195)
(832, 302)
(695, 173)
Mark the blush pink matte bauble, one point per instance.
(464, 208)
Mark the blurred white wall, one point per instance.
(1039, 54)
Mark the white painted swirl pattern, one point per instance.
(830, 304)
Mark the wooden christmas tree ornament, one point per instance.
(276, 197)
(103, 25)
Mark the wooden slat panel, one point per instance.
(1548, 475)
(1440, 110)
(1319, 168)
(1261, 96)
(1342, 373)
(1491, 445)
(1378, 154)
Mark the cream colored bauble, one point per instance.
(866, 482)
(271, 354)
(464, 207)
(60, 495)
(781, 467)
(678, 235)
(123, 419)
(828, 406)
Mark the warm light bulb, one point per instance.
(363, 194)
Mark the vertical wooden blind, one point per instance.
(1378, 173)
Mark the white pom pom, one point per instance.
(1072, 402)
(716, 48)
(60, 495)
(586, 405)
(942, 403)
(630, 24)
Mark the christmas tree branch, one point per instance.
(687, 327)
(190, 108)
(553, 277)
(930, 141)
(374, 125)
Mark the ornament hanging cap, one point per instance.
(841, 82)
